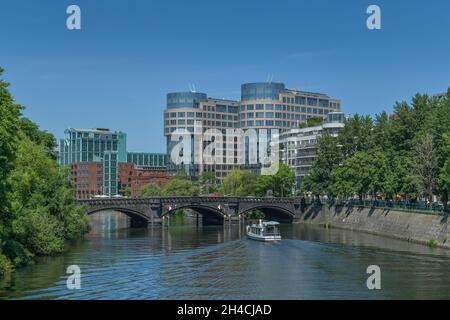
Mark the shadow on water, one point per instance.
(218, 262)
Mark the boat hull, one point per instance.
(263, 238)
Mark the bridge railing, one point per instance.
(418, 207)
(183, 199)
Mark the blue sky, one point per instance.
(116, 71)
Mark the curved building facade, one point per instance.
(190, 110)
(185, 99)
(263, 105)
(261, 91)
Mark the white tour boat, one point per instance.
(264, 231)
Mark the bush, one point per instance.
(5, 265)
(39, 231)
(432, 243)
(17, 253)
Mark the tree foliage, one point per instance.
(151, 190)
(207, 182)
(279, 185)
(37, 210)
(311, 122)
(319, 180)
(402, 155)
(239, 183)
(180, 186)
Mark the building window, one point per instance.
(312, 101)
(221, 108)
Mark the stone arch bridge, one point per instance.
(214, 210)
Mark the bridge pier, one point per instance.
(155, 222)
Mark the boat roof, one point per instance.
(270, 223)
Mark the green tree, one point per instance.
(207, 182)
(127, 192)
(281, 184)
(37, 210)
(444, 174)
(151, 190)
(42, 203)
(439, 126)
(9, 127)
(353, 177)
(238, 183)
(47, 140)
(426, 166)
(356, 135)
(319, 178)
(180, 186)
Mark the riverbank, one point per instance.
(429, 229)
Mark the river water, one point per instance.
(217, 262)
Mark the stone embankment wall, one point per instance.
(411, 226)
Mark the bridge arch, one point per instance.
(198, 208)
(136, 216)
(272, 212)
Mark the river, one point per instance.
(217, 262)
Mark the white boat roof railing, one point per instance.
(271, 223)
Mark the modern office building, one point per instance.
(93, 155)
(265, 105)
(89, 145)
(270, 105)
(154, 160)
(189, 110)
(299, 146)
(96, 158)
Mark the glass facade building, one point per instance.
(147, 159)
(263, 105)
(110, 173)
(101, 149)
(188, 110)
(89, 145)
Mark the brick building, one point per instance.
(88, 178)
(135, 177)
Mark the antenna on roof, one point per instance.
(191, 87)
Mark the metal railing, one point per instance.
(419, 207)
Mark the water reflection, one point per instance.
(218, 262)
